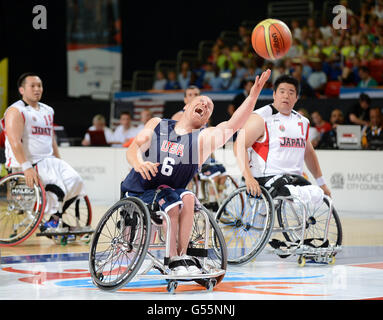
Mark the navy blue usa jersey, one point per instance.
(177, 155)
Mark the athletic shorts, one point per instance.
(167, 198)
(57, 172)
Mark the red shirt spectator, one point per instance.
(321, 125)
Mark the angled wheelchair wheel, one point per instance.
(246, 223)
(290, 218)
(119, 244)
(77, 212)
(208, 246)
(21, 209)
(229, 186)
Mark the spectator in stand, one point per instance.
(296, 31)
(198, 73)
(360, 112)
(243, 33)
(172, 83)
(248, 55)
(329, 49)
(224, 59)
(313, 49)
(378, 9)
(305, 91)
(241, 70)
(240, 97)
(348, 50)
(251, 72)
(364, 50)
(321, 125)
(372, 134)
(326, 28)
(317, 79)
(378, 49)
(216, 82)
(99, 124)
(278, 70)
(145, 116)
(306, 68)
(209, 74)
(296, 49)
(328, 139)
(314, 134)
(366, 80)
(226, 75)
(236, 54)
(160, 82)
(184, 75)
(124, 130)
(215, 53)
(311, 26)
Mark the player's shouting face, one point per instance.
(199, 110)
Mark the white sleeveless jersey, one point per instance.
(37, 135)
(282, 149)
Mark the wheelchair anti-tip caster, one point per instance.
(301, 261)
(210, 284)
(172, 286)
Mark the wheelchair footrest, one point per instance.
(66, 231)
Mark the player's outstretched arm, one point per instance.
(213, 138)
(140, 144)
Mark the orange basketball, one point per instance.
(271, 39)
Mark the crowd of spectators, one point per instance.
(319, 54)
(122, 135)
(323, 134)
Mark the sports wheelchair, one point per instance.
(22, 212)
(247, 222)
(212, 193)
(129, 242)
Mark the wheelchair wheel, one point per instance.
(246, 223)
(290, 217)
(21, 209)
(229, 186)
(77, 213)
(119, 244)
(215, 258)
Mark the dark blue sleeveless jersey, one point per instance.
(177, 155)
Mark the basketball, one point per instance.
(271, 39)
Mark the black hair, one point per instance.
(286, 79)
(365, 97)
(21, 79)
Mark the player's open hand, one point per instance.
(259, 83)
(147, 169)
(31, 177)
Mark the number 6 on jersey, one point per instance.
(167, 168)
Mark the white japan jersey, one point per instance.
(283, 147)
(37, 136)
